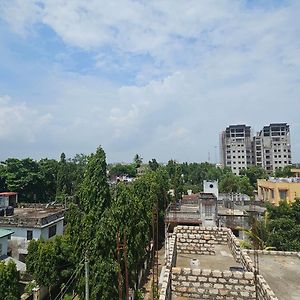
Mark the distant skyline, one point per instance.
(157, 78)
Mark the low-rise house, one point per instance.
(32, 222)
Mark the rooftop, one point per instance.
(33, 216)
(282, 273)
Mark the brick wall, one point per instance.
(212, 284)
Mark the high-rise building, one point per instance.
(236, 147)
(272, 147)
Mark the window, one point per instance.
(208, 210)
(272, 194)
(29, 235)
(52, 231)
(282, 194)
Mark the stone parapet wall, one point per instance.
(199, 240)
(234, 245)
(165, 289)
(272, 252)
(212, 284)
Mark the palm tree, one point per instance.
(258, 234)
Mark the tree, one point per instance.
(48, 169)
(245, 187)
(138, 160)
(24, 177)
(153, 164)
(254, 173)
(62, 184)
(229, 183)
(86, 227)
(9, 281)
(285, 226)
(50, 262)
(259, 233)
(284, 172)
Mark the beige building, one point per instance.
(274, 190)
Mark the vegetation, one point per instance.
(279, 229)
(9, 281)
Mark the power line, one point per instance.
(70, 281)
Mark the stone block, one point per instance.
(176, 270)
(211, 279)
(206, 272)
(238, 275)
(202, 279)
(248, 275)
(192, 278)
(186, 271)
(216, 273)
(227, 274)
(213, 291)
(196, 272)
(218, 286)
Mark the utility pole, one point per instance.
(86, 266)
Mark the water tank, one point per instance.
(9, 211)
(194, 263)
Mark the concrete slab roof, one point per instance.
(282, 273)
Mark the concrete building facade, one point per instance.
(270, 148)
(236, 147)
(274, 190)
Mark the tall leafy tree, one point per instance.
(62, 185)
(9, 281)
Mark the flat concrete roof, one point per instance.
(282, 273)
(35, 213)
(222, 261)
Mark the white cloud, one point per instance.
(204, 64)
(19, 123)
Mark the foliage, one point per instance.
(137, 160)
(153, 164)
(49, 262)
(122, 169)
(285, 226)
(284, 172)
(259, 234)
(9, 281)
(254, 173)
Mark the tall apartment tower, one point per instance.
(272, 147)
(236, 147)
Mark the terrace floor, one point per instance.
(222, 261)
(282, 273)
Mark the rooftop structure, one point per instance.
(208, 263)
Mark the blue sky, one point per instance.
(158, 78)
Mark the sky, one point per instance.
(157, 78)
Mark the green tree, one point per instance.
(9, 281)
(48, 169)
(62, 184)
(229, 183)
(284, 172)
(254, 173)
(153, 164)
(86, 221)
(138, 160)
(24, 177)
